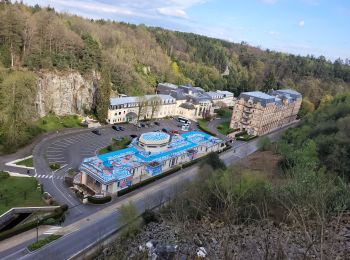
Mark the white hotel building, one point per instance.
(187, 101)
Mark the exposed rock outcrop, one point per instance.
(65, 93)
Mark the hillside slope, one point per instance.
(138, 56)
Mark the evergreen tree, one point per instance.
(103, 94)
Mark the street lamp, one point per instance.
(37, 229)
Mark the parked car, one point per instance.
(164, 130)
(133, 136)
(157, 123)
(121, 128)
(116, 128)
(142, 125)
(175, 132)
(96, 132)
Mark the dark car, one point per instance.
(96, 132)
(121, 128)
(133, 136)
(157, 123)
(164, 130)
(142, 125)
(116, 128)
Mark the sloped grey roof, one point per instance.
(187, 105)
(258, 96)
(127, 100)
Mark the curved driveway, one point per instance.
(68, 150)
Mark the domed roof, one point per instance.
(154, 138)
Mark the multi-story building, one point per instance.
(149, 155)
(259, 113)
(128, 109)
(171, 100)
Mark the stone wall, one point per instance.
(65, 93)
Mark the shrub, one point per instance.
(97, 200)
(128, 219)
(4, 175)
(264, 143)
(214, 161)
(149, 216)
(43, 242)
(64, 207)
(50, 221)
(55, 166)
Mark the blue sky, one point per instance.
(318, 27)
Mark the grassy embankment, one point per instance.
(18, 192)
(115, 145)
(27, 162)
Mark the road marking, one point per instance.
(55, 158)
(57, 161)
(52, 230)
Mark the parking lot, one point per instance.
(69, 151)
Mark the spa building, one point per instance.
(149, 155)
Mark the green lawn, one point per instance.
(27, 162)
(224, 112)
(224, 128)
(203, 124)
(115, 145)
(52, 122)
(19, 192)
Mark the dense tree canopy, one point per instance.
(322, 139)
(138, 56)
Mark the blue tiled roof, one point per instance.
(117, 165)
(155, 136)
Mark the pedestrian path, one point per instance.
(52, 230)
(45, 176)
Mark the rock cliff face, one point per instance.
(65, 93)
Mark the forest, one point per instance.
(138, 57)
(132, 59)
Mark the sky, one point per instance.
(315, 27)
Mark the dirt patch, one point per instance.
(264, 162)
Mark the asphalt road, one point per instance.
(83, 225)
(69, 150)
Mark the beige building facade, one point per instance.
(127, 109)
(259, 113)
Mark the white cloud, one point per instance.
(136, 8)
(174, 12)
(301, 23)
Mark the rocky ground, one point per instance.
(262, 240)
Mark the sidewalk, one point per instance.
(22, 238)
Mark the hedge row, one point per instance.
(58, 213)
(102, 200)
(241, 133)
(147, 181)
(4, 175)
(243, 138)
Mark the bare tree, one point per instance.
(155, 103)
(142, 104)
